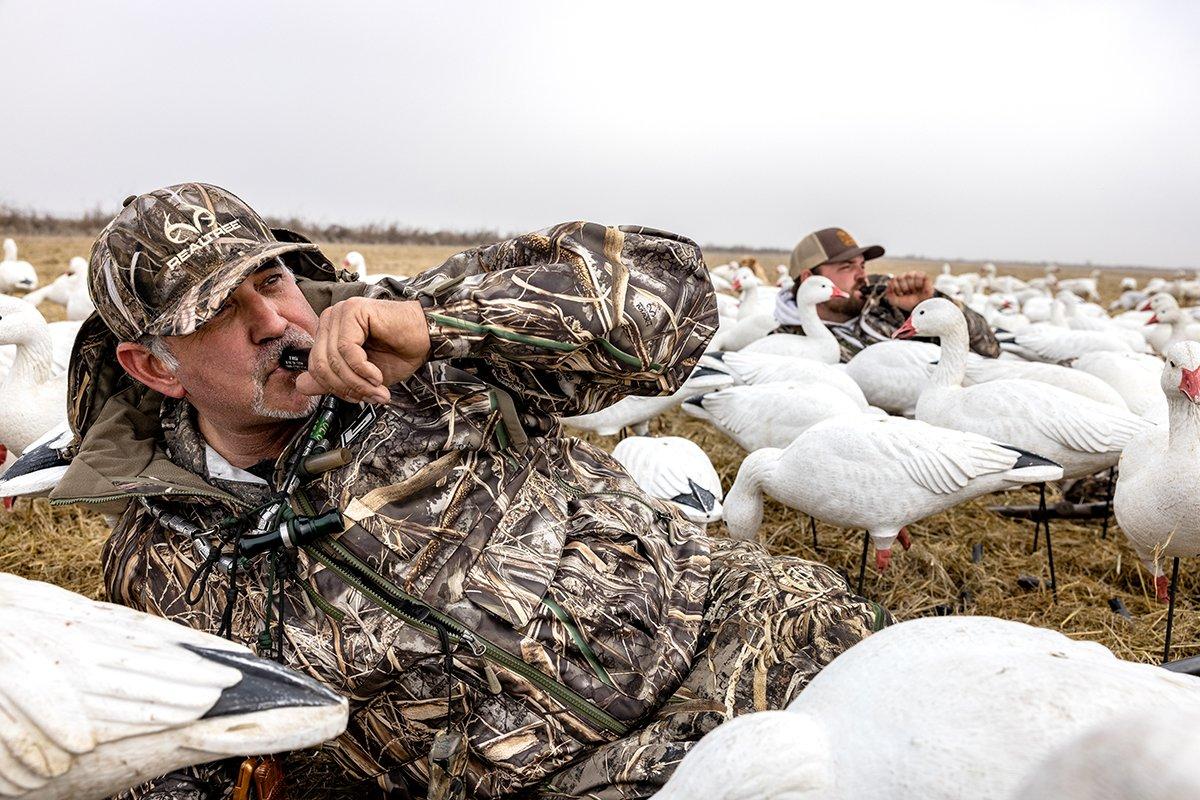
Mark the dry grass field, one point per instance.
(936, 576)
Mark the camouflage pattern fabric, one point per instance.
(878, 320)
(465, 493)
(770, 625)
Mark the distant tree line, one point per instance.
(23, 222)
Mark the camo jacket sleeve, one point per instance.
(574, 317)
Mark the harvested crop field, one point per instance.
(936, 576)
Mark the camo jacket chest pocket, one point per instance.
(521, 554)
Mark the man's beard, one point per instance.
(847, 306)
(268, 360)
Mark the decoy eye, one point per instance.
(1172, 363)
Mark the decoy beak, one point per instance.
(905, 331)
(838, 293)
(1153, 320)
(1189, 383)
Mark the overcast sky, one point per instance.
(1065, 131)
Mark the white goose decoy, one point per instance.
(981, 702)
(1134, 376)
(40, 467)
(982, 370)
(33, 397)
(1174, 324)
(770, 414)
(1156, 503)
(16, 274)
(893, 374)
(676, 470)
(734, 334)
(1058, 345)
(876, 474)
(635, 411)
(1130, 757)
(817, 342)
(355, 263)
(96, 697)
(1082, 435)
(69, 290)
(753, 297)
(759, 368)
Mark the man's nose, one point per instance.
(266, 322)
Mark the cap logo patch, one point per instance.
(845, 238)
(180, 232)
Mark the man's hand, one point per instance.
(364, 346)
(905, 291)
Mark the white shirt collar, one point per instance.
(218, 467)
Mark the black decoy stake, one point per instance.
(812, 526)
(1171, 609)
(1108, 496)
(1043, 519)
(862, 564)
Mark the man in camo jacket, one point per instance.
(578, 636)
(875, 305)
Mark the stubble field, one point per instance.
(936, 576)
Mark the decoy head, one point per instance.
(932, 317)
(1182, 371)
(817, 289)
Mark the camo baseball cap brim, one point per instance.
(171, 258)
(825, 246)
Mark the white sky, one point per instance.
(1065, 131)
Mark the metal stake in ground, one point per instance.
(812, 526)
(862, 564)
(1108, 497)
(1171, 609)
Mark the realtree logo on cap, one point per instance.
(845, 238)
(179, 232)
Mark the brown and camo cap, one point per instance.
(170, 259)
(828, 245)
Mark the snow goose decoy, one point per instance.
(635, 411)
(40, 467)
(1082, 435)
(33, 397)
(16, 274)
(1131, 757)
(759, 368)
(98, 697)
(817, 342)
(981, 702)
(770, 414)
(892, 374)
(877, 474)
(1174, 325)
(1134, 376)
(982, 370)
(1156, 502)
(676, 470)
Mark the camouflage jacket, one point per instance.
(879, 319)
(464, 494)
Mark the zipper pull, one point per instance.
(493, 682)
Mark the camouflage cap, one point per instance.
(171, 258)
(164, 265)
(826, 245)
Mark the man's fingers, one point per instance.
(338, 362)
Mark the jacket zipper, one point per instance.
(105, 498)
(395, 601)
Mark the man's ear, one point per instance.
(147, 368)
